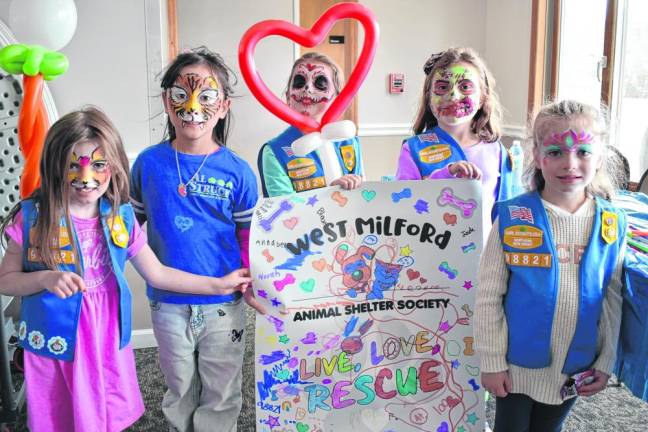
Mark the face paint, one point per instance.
(568, 141)
(88, 171)
(455, 94)
(311, 89)
(195, 98)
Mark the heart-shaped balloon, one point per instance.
(309, 38)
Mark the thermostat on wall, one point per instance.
(396, 83)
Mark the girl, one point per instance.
(197, 198)
(68, 246)
(458, 129)
(533, 336)
(313, 84)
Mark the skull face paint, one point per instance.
(88, 170)
(311, 89)
(195, 99)
(455, 94)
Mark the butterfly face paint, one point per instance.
(311, 89)
(195, 99)
(88, 171)
(568, 141)
(455, 94)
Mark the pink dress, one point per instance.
(98, 391)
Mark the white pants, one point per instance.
(201, 354)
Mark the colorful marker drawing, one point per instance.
(370, 311)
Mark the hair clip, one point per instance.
(429, 64)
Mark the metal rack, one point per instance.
(12, 395)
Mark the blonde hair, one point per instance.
(486, 122)
(52, 197)
(607, 178)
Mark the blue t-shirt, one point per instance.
(196, 233)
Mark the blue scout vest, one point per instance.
(306, 173)
(532, 261)
(435, 149)
(48, 324)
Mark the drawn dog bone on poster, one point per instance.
(266, 223)
(466, 207)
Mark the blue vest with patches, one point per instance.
(435, 149)
(48, 324)
(532, 260)
(306, 172)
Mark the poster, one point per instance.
(370, 296)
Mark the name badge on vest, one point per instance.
(348, 156)
(609, 227)
(118, 231)
(435, 153)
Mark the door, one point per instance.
(341, 44)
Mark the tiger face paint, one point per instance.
(311, 89)
(89, 168)
(455, 95)
(195, 99)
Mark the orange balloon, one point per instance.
(32, 128)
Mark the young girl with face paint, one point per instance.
(314, 82)
(68, 245)
(458, 129)
(197, 197)
(549, 299)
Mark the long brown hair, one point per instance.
(486, 122)
(606, 180)
(52, 197)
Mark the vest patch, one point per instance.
(57, 345)
(528, 259)
(522, 213)
(348, 157)
(36, 339)
(118, 231)
(523, 237)
(431, 137)
(63, 257)
(435, 153)
(301, 168)
(609, 227)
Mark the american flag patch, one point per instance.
(522, 213)
(289, 151)
(431, 137)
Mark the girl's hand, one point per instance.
(465, 169)
(498, 383)
(348, 181)
(238, 280)
(63, 284)
(599, 383)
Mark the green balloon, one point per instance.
(32, 60)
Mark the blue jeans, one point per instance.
(519, 413)
(201, 354)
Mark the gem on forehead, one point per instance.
(568, 138)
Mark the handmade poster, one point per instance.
(370, 296)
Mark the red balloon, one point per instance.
(309, 38)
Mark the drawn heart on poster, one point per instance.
(413, 274)
(309, 38)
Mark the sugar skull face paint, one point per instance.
(311, 89)
(195, 99)
(89, 169)
(455, 94)
(568, 141)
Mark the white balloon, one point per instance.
(50, 23)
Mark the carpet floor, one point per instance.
(614, 409)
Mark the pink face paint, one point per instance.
(89, 171)
(568, 141)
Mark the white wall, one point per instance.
(508, 42)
